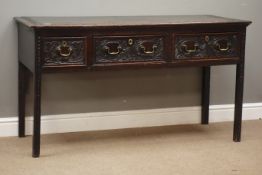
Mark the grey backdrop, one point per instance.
(132, 89)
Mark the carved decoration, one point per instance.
(117, 50)
(223, 46)
(63, 51)
(190, 47)
(204, 46)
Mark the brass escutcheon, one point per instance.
(130, 41)
(206, 38)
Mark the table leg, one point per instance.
(205, 95)
(37, 114)
(21, 99)
(238, 101)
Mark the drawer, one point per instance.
(206, 46)
(63, 51)
(124, 49)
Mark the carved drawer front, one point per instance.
(63, 51)
(123, 49)
(206, 46)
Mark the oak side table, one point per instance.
(52, 44)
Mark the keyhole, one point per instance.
(206, 38)
(130, 42)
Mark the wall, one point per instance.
(133, 89)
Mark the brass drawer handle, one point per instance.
(64, 50)
(152, 51)
(110, 52)
(189, 50)
(223, 48)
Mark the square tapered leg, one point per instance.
(205, 95)
(238, 102)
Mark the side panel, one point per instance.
(26, 47)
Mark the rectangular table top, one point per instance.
(90, 21)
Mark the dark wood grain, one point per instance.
(120, 49)
(37, 100)
(240, 67)
(108, 21)
(56, 44)
(59, 51)
(207, 45)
